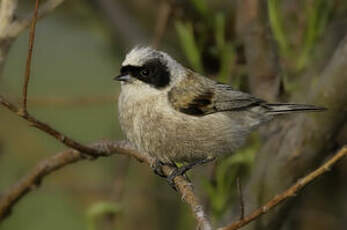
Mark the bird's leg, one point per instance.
(182, 170)
(157, 168)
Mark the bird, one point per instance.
(176, 115)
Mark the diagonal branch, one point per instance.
(57, 161)
(49, 130)
(300, 143)
(292, 191)
(20, 24)
(11, 26)
(107, 148)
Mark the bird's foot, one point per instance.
(157, 168)
(182, 170)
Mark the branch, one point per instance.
(10, 27)
(20, 24)
(292, 191)
(49, 130)
(97, 150)
(57, 161)
(30, 54)
(102, 149)
(299, 143)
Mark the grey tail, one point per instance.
(277, 109)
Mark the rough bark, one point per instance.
(300, 143)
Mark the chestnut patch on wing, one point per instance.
(198, 105)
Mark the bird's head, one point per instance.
(147, 67)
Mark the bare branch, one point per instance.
(297, 187)
(300, 143)
(102, 149)
(186, 190)
(49, 130)
(45, 167)
(10, 28)
(29, 56)
(20, 24)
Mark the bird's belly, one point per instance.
(170, 136)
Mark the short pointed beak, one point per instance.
(122, 77)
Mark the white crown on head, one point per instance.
(140, 55)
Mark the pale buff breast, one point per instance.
(153, 126)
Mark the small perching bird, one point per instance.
(176, 115)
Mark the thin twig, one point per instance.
(289, 192)
(22, 23)
(57, 161)
(185, 188)
(29, 56)
(242, 203)
(49, 130)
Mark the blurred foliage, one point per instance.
(222, 190)
(318, 14)
(201, 6)
(189, 46)
(276, 23)
(206, 38)
(99, 210)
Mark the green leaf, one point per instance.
(189, 45)
(318, 16)
(220, 30)
(277, 27)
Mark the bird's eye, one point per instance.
(145, 72)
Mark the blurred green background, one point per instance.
(78, 50)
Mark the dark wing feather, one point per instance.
(199, 96)
(228, 99)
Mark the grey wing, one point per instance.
(227, 99)
(199, 99)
